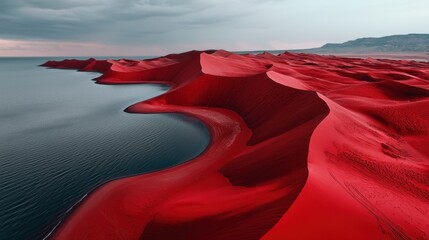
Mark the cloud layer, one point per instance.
(158, 26)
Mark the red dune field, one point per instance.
(302, 147)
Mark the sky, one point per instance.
(156, 27)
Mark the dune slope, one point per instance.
(303, 147)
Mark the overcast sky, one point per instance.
(154, 27)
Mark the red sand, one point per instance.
(303, 147)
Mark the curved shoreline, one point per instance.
(80, 201)
(252, 181)
(91, 191)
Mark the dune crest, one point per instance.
(303, 147)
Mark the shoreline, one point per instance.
(261, 157)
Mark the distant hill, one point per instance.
(395, 43)
(406, 47)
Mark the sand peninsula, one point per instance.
(302, 147)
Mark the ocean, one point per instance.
(62, 135)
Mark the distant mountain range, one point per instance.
(396, 43)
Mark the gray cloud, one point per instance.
(94, 19)
(78, 20)
(217, 23)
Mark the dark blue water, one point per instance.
(61, 135)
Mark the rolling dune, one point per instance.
(302, 147)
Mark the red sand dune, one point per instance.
(303, 147)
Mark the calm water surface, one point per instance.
(61, 135)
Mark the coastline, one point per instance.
(181, 200)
